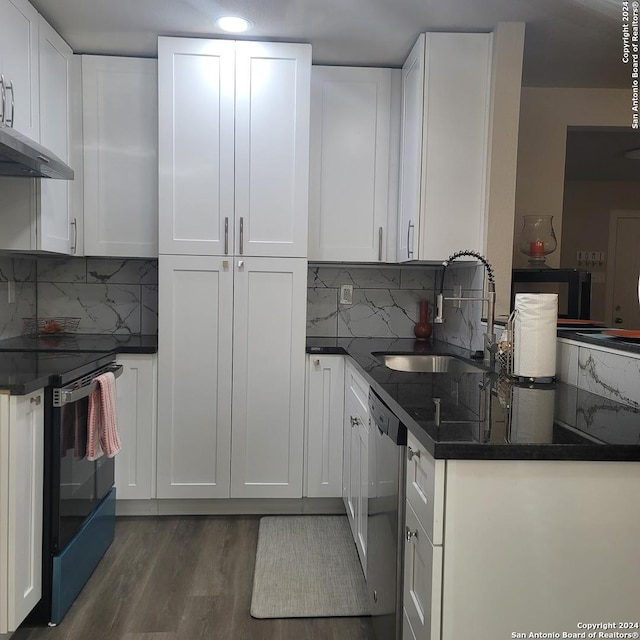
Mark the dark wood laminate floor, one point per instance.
(183, 578)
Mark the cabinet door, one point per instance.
(455, 150)
(136, 410)
(422, 580)
(19, 64)
(361, 435)
(55, 232)
(268, 377)
(196, 145)
(120, 108)
(194, 377)
(347, 485)
(349, 163)
(26, 459)
(325, 410)
(272, 148)
(411, 152)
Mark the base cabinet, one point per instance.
(231, 377)
(355, 479)
(324, 426)
(21, 503)
(517, 546)
(135, 465)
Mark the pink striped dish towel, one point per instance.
(102, 426)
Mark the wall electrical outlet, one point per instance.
(346, 294)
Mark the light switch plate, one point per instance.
(346, 294)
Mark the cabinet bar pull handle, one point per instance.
(241, 235)
(4, 98)
(380, 244)
(10, 88)
(409, 246)
(74, 224)
(37, 400)
(226, 236)
(411, 534)
(436, 401)
(411, 454)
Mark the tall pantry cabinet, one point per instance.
(233, 183)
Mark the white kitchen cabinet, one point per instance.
(324, 426)
(120, 129)
(355, 473)
(36, 212)
(444, 145)
(422, 580)
(135, 465)
(234, 147)
(350, 148)
(268, 377)
(19, 66)
(21, 504)
(230, 331)
(194, 376)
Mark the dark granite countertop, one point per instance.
(28, 363)
(596, 338)
(23, 372)
(547, 422)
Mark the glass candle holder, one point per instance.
(537, 239)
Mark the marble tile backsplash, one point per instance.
(109, 295)
(385, 302)
(22, 272)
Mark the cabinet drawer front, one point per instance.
(422, 580)
(425, 488)
(357, 388)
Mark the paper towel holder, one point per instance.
(506, 350)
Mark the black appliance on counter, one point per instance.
(573, 287)
(79, 494)
(385, 518)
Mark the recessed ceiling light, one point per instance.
(632, 154)
(233, 24)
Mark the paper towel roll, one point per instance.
(534, 335)
(532, 415)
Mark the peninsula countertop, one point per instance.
(485, 416)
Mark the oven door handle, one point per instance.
(66, 395)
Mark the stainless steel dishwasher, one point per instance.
(385, 520)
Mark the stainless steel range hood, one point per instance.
(21, 157)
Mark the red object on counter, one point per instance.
(536, 249)
(423, 328)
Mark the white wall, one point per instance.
(545, 115)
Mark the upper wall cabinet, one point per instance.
(234, 147)
(19, 66)
(351, 123)
(36, 212)
(446, 84)
(120, 128)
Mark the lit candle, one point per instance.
(536, 249)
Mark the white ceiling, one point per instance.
(571, 43)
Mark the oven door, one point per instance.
(78, 484)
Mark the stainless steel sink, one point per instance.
(427, 363)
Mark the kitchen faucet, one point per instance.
(490, 344)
